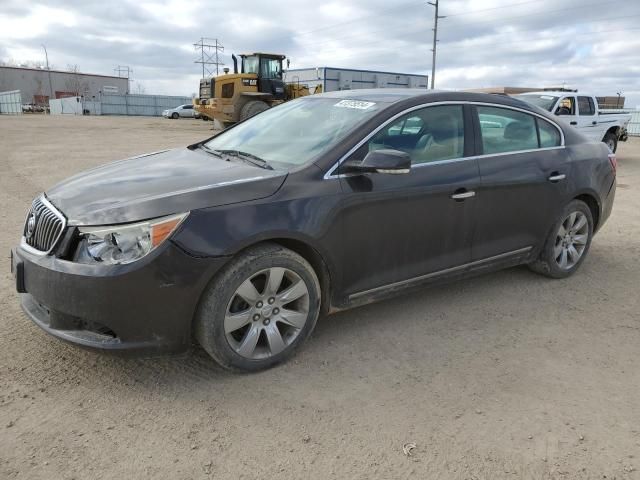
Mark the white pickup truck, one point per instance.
(582, 112)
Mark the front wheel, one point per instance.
(611, 140)
(568, 242)
(253, 107)
(174, 115)
(258, 309)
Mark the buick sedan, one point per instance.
(243, 240)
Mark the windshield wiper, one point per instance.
(248, 157)
(217, 153)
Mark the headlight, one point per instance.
(120, 244)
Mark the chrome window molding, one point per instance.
(23, 241)
(329, 174)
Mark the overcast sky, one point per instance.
(586, 44)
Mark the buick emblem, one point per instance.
(31, 224)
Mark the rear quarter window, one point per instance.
(549, 135)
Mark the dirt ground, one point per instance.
(510, 375)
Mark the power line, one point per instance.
(369, 33)
(357, 19)
(602, 19)
(499, 7)
(403, 26)
(449, 46)
(209, 51)
(552, 37)
(543, 12)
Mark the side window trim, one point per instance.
(330, 173)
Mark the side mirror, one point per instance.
(381, 161)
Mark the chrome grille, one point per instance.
(44, 226)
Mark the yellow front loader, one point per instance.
(256, 86)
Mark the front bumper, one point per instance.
(145, 307)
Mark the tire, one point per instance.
(251, 108)
(558, 248)
(241, 320)
(611, 140)
(175, 115)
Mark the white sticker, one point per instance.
(547, 97)
(360, 105)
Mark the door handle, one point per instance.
(556, 177)
(573, 123)
(594, 123)
(463, 195)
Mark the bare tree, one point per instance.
(75, 84)
(139, 89)
(38, 98)
(12, 62)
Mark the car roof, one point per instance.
(386, 95)
(556, 93)
(417, 96)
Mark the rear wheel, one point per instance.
(251, 108)
(259, 309)
(611, 140)
(568, 243)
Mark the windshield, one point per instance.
(251, 64)
(543, 101)
(295, 132)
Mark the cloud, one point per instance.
(584, 44)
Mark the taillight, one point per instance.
(613, 161)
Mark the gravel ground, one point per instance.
(510, 375)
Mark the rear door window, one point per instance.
(505, 130)
(586, 106)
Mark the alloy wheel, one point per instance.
(266, 313)
(571, 240)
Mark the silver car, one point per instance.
(181, 111)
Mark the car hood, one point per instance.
(158, 184)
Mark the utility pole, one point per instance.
(210, 49)
(124, 71)
(435, 41)
(46, 56)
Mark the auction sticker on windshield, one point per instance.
(359, 104)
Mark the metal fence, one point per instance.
(634, 125)
(146, 105)
(11, 103)
(74, 106)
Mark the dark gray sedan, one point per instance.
(320, 204)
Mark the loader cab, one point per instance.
(268, 68)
